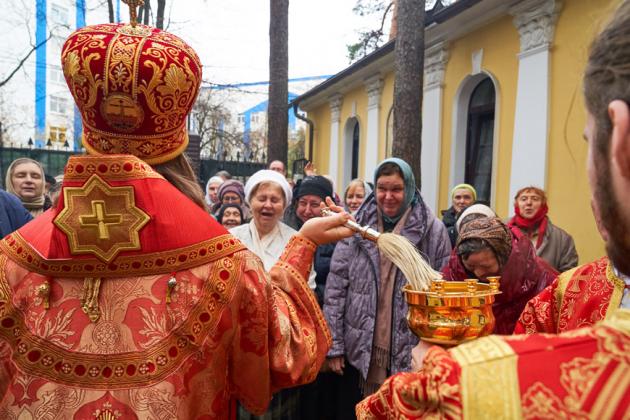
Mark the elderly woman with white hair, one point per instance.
(268, 194)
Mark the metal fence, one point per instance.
(237, 168)
(54, 160)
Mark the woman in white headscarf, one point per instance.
(25, 180)
(268, 194)
(212, 188)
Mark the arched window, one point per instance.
(389, 133)
(351, 149)
(479, 139)
(355, 151)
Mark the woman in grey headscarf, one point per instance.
(363, 302)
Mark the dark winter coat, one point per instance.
(449, 218)
(13, 215)
(353, 283)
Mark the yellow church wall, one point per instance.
(500, 44)
(387, 101)
(567, 183)
(354, 105)
(321, 133)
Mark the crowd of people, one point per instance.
(135, 296)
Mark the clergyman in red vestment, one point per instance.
(577, 298)
(582, 373)
(127, 300)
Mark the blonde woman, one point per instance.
(355, 194)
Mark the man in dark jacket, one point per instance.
(462, 196)
(13, 215)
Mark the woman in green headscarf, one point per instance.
(363, 303)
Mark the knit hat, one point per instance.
(234, 186)
(315, 185)
(465, 187)
(227, 206)
(474, 209)
(267, 175)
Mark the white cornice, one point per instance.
(435, 59)
(374, 88)
(535, 21)
(335, 102)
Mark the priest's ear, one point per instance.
(619, 114)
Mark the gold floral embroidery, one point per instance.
(123, 369)
(144, 83)
(489, 368)
(594, 386)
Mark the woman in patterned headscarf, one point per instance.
(487, 247)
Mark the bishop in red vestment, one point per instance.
(127, 300)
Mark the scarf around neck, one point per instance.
(381, 348)
(537, 224)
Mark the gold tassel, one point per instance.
(172, 282)
(43, 290)
(89, 302)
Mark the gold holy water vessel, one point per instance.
(452, 312)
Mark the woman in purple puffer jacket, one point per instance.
(363, 303)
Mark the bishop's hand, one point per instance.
(323, 230)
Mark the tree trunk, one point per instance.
(408, 89)
(277, 111)
(110, 9)
(159, 19)
(147, 9)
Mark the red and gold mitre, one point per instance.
(134, 86)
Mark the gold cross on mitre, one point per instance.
(133, 12)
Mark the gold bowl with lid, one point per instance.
(452, 312)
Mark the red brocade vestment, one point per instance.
(577, 298)
(580, 374)
(129, 301)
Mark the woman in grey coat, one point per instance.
(363, 303)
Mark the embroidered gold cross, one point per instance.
(133, 12)
(100, 219)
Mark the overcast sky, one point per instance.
(232, 36)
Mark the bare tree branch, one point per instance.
(23, 60)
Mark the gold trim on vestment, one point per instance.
(563, 282)
(618, 288)
(144, 264)
(489, 379)
(40, 357)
